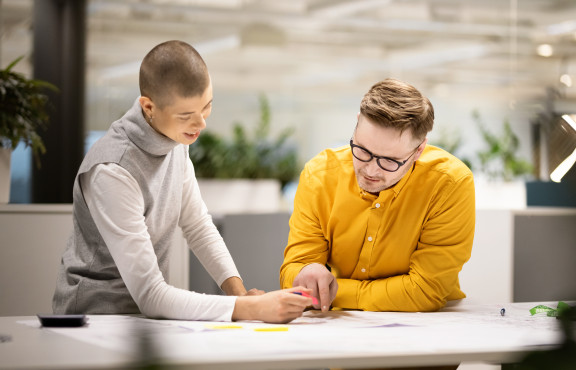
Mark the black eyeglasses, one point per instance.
(387, 164)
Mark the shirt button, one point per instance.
(363, 270)
(377, 205)
(369, 238)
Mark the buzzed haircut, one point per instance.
(173, 69)
(396, 104)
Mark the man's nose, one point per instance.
(372, 168)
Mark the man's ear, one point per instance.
(148, 106)
(420, 149)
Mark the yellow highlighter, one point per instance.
(272, 328)
(223, 327)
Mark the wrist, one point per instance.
(245, 308)
(233, 286)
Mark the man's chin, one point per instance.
(373, 188)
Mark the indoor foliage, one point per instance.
(499, 160)
(246, 156)
(23, 110)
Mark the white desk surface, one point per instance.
(342, 339)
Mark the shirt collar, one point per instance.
(144, 135)
(400, 184)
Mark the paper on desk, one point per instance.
(330, 334)
(341, 332)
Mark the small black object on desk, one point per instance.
(62, 321)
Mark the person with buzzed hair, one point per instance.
(135, 186)
(167, 70)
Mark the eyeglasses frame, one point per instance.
(378, 157)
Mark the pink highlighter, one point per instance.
(314, 300)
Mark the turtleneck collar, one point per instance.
(144, 135)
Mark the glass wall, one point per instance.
(491, 62)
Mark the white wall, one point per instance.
(33, 237)
(487, 276)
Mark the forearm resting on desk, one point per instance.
(398, 293)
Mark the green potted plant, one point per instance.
(502, 171)
(451, 141)
(499, 160)
(251, 159)
(23, 114)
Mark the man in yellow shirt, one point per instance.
(386, 223)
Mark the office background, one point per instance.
(506, 60)
(509, 61)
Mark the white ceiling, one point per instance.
(315, 44)
(484, 50)
(323, 45)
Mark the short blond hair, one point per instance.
(396, 104)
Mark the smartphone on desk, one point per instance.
(62, 321)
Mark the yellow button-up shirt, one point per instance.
(400, 250)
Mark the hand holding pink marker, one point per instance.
(304, 294)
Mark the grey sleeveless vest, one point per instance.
(89, 281)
